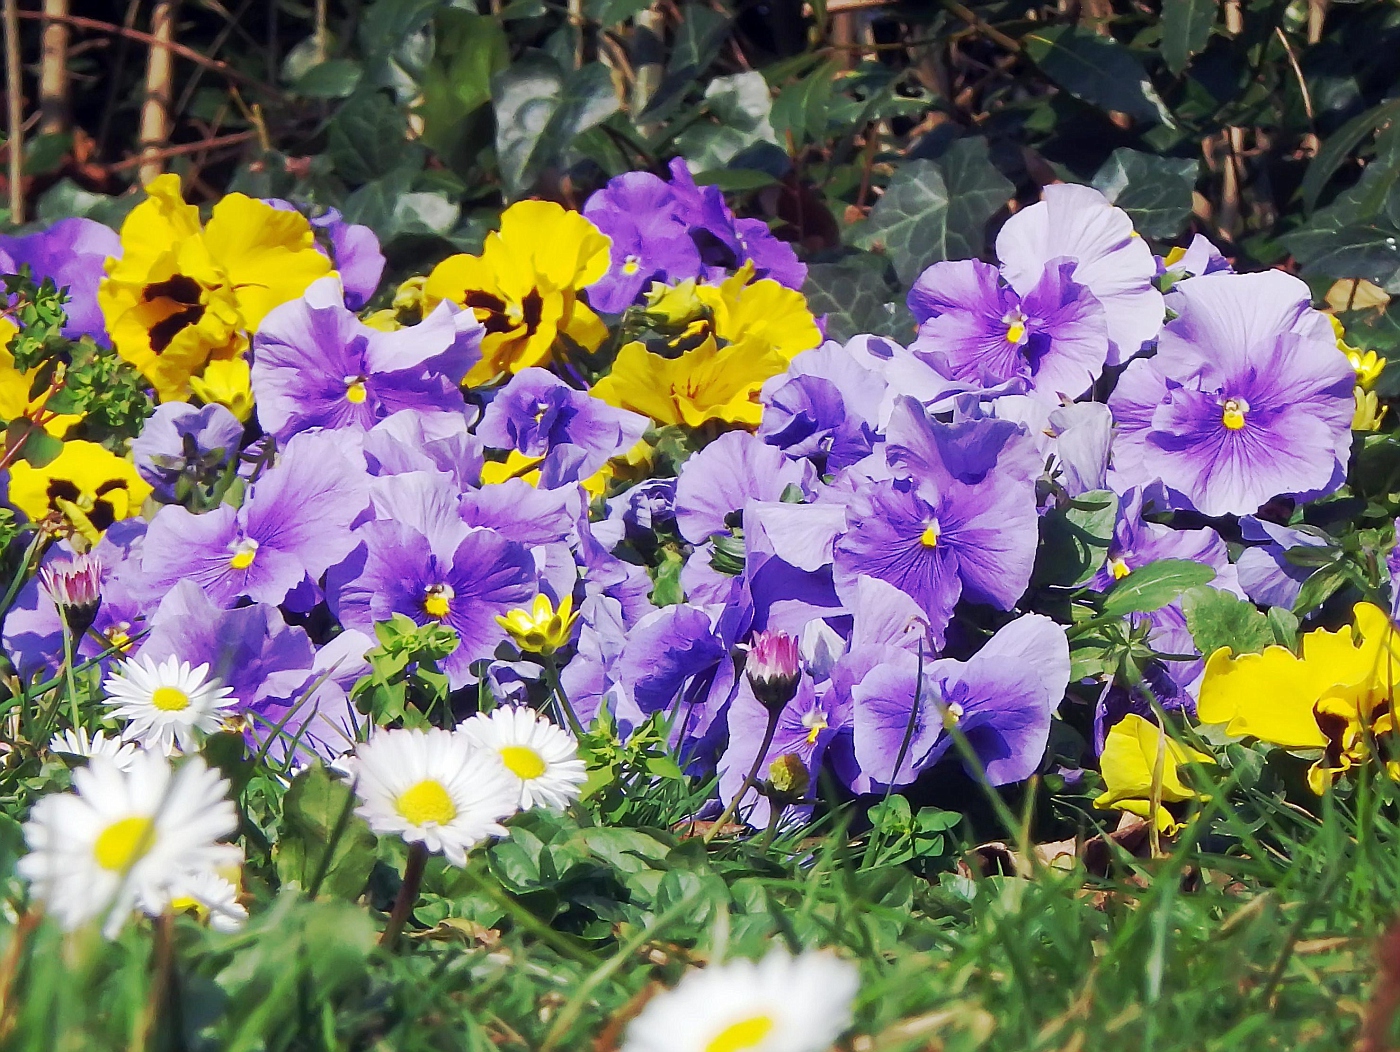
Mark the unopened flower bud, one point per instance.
(774, 669)
(787, 778)
(75, 586)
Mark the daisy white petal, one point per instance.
(169, 705)
(79, 743)
(540, 756)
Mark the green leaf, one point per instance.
(615, 12)
(1218, 619)
(1153, 586)
(856, 299)
(1154, 191)
(1186, 26)
(1098, 70)
(935, 211)
(365, 139)
(1339, 147)
(471, 49)
(44, 154)
(540, 110)
(1284, 626)
(667, 590)
(738, 107)
(334, 79)
(1330, 247)
(317, 817)
(802, 109)
(1074, 539)
(1318, 588)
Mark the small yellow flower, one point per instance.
(524, 286)
(1129, 765)
(674, 305)
(761, 312)
(229, 383)
(541, 629)
(1369, 413)
(181, 294)
(702, 384)
(86, 487)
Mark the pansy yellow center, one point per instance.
(742, 1036)
(1119, 568)
(1016, 331)
(123, 842)
(522, 761)
(952, 713)
(244, 552)
(355, 392)
(815, 722)
(119, 636)
(428, 801)
(631, 265)
(929, 538)
(170, 699)
(437, 601)
(1233, 412)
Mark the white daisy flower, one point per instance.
(541, 756)
(780, 1004)
(432, 787)
(120, 840)
(168, 705)
(78, 743)
(212, 898)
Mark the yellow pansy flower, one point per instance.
(86, 486)
(524, 286)
(516, 465)
(706, 383)
(15, 386)
(1369, 414)
(541, 629)
(761, 311)
(181, 294)
(1129, 765)
(229, 383)
(1324, 699)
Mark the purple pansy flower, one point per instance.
(974, 327)
(428, 565)
(312, 706)
(826, 406)
(1075, 439)
(1265, 572)
(717, 482)
(180, 439)
(434, 442)
(1247, 398)
(541, 416)
(961, 520)
(74, 253)
(315, 364)
(650, 241)
(1001, 700)
(1199, 257)
(293, 525)
(1110, 260)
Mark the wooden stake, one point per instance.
(160, 74)
(14, 111)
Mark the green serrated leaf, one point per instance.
(1218, 619)
(317, 818)
(1153, 586)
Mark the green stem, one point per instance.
(551, 672)
(749, 781)
(68, 672)
(407, 896)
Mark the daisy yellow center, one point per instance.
(437, 601)
(428, 801)
(742, 1036)
(1232, 416)
(355, 392)
(123, 842)
(1016, 331)
(170, 699)
(244, 554)
(522, 761)
(1120, 569)
(929, 538)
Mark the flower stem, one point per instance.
(551, 673)
(749, 781)
(68, 672)
(407, 896)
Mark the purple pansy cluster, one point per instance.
(876, 535)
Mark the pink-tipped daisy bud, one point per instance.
(75, 586)
(774, 669)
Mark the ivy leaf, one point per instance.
(333, 79)
(1153, 586)
(1218, 619)
(365, 139)
(739, 107)
(471, 49)
(856, 299)
(1154, 191)
(540, 110)
(1186, 26)
(1098, 70)
(936, 210)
